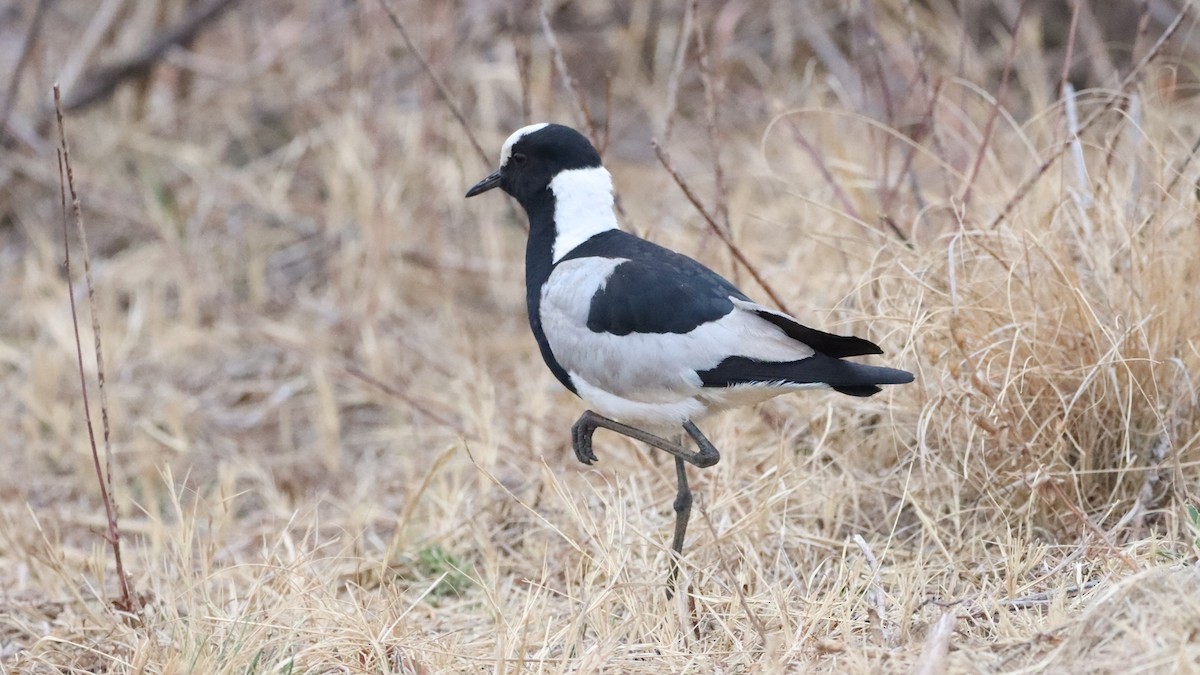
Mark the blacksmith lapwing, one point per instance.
(651, 339)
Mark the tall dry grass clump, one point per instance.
(1065, 364)
(336, 449)
(1057, 382)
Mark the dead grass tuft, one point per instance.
(335, 448)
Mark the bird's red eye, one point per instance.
(519, 158)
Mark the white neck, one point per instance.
(583, 207)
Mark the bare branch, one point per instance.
(1045, 598)
(755, 621)
(10, 93)
(998, 101)
(583, 115)
(824, 169)
(524, 59)
(665, 160)
(1033, 178)
(878, 606)
(443, 91)
(101, 83)
(685, 38)
(1182, 165)
(127, 602)
(711, 121)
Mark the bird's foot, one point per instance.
(581, 440)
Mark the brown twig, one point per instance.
(443, 90)
(665, 160)
(102, 82)
(14, 83)
(891, 225)
(685, 39)
(711, 121)
(1183, 165)
(1072, 30)
(1132, 114)
(1033, 178)
(1143, 28)
(973, 605)
(395, 392)
(819, 39)
(606, 130)
(127, 602)
(920, 54)
(916, 43)
(986, 140)
(878, 57)
(524, 59)
(824, 169)
(755, 621)
(1046, 597)
(924, 129)
(583, 114)
(425, 407)
(878, 606)
(1094, 528)
(876, 44)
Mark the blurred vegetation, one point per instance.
(318, 363)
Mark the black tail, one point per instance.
(846, 377)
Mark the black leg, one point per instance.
(704, 457)
(588, 422)
(683, 509)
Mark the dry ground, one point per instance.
(335, 448)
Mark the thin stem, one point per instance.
(443, 91)
(665, 160)
(103, 476)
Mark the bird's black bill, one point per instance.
(486, 184)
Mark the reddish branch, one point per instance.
(101, 83)
(127, 602)
(1129, 79)
(712, 223)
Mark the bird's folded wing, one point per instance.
(633, 330)
(668, 295)
(837, 346)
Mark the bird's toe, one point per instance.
(582, 445)
(584, 453)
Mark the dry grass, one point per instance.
(277, 220)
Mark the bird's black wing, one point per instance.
(655, 291)
(837, 346)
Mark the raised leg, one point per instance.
(588, 422)
(705, 456)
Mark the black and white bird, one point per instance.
(651, 339)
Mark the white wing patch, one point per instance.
(651, 378)
(567, 293)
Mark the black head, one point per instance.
(533, 156)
